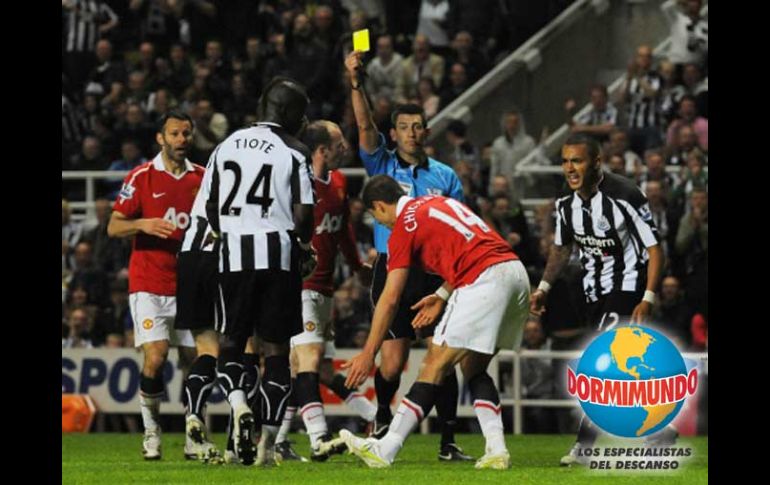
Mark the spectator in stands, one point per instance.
(616, 164)
(432, 22)
(157, 22)
(509, 221)
(309, 61)
(384, 70)
(107, 70)
(136, 128)
(383, 107)
(421, 63)
(210, 129)
(685, 143)
(694, 84)
(665, 216)
(181, 71)
(511, 147)
(110, 255)
(458, 83)
(538, 380)
(86, 22)
(78, 325)
(115, 341)
(689, 32)
(688, 115)
(463, 149)
(599, 121)
(480, 18)
(672, 314)
(656, 170)
(693, 176)
(158, 103)
(137, 89)
(670, 92)
(641, 96)
(87, 275)
(699, 330)
(618, 145)
(328, 29)
(71, 235)
(429, 100)
(253, 64)
(692, 245)
(130, 158)
(89, 158)
(465, 53)
(239, 104)
(363, 231)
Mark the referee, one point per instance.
(418, 175)
(609, 219)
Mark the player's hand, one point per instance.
(641, 313)
(360, 366)
(354, 64)
(365, 274)
(307, 261)
(570, 105)
(537, 302)
(429, 308)
(157, 227)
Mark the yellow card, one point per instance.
(361, 40)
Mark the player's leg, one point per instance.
(151, 315)
(279, 319)
(239, 310)
(413, 408)
(198, 386)
(486, 405)
(253, 397)
(393, 356)
(353, 398)
(446, 412)
(282, 444)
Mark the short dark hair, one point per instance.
(173, 114)
(408, 109)
(316, 134)
(457, 128)
(598, 87)
(594, 150)
(382, 188)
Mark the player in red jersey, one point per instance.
(313, 349)
(154, 206)
(486, 289)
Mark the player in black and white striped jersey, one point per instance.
(261, 210)
(609, 219)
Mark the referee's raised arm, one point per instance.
(367, 130)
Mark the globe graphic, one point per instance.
(631, 353)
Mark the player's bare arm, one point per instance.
(122, 226)
(557, 259)
(367, 130)
(384, 312)
(430, 307)
(654, 270)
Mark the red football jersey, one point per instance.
(149, 191)
(444, 237)
(332, 230)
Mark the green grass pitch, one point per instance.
(116, 459)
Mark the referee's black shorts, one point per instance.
(196, 290)
(267, 302)
(614, 308)
(419, 284)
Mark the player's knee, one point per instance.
(153, 362)
(309, 357)
(277, 369)
(207, 343)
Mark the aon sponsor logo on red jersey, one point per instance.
(179, 219)
(329, 223)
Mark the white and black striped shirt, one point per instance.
(613, 230)
(643, 110)
(197, 237)
(258, 174)
(83, 21)
(598, 118)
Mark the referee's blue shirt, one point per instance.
(429, 178)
